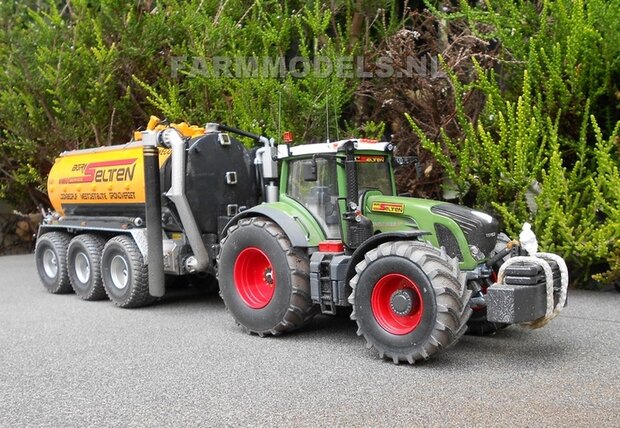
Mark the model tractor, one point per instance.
(289, 231)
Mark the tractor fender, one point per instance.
(293, 230)
(374, 242)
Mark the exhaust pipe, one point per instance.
(155, 256)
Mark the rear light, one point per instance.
(331, 247)
(287, 137)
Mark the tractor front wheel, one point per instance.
(264, 281)
(409, 300)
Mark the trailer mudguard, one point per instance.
(298, 235)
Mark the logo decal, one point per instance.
(116, 170)
(369, 159)
(388, 207)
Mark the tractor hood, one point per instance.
(479, 228)
(454, 227)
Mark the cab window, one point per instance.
(373, 173)
(320, 197)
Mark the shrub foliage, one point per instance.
(545, 147)
(520, 115)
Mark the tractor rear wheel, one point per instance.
(409, 300)
(264, 281)
(84, 264)
(51, 259)
(125, 276)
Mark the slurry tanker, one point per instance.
(286, 232)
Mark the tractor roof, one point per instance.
(364, 144)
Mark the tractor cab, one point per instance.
(331, 181)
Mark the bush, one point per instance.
(82, 73)
(521, 121)
(544, 157)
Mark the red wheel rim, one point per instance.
(397, 304)
(255, 278)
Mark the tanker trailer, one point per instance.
(127, 216)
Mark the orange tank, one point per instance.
(105, 180)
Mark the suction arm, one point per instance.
(200, 261)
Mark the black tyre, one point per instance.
(478, 325)
(264, 281)
(409, 300)
(51, 258)
(125, 276)
(84, 265)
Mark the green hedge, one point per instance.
(86, 73)
(546, 151)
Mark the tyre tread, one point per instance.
(451, 294)
(301, 308)
(94, 244)
(60, 242)
(139, 294)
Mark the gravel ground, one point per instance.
(184, 362)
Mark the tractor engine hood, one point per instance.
(480, 229)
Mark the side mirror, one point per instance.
(399, 161)
(309, 170)
(404, 160)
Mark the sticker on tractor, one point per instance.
(369, 159)
(388, 207)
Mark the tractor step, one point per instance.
(328, 286)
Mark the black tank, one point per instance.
(219, 180)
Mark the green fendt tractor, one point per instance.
(335, 234)
(291, 231)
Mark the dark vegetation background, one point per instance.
(520, 119)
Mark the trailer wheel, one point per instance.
(125, 276)
(264, 281)
(409, 300)
(84, 264)
(51, 259)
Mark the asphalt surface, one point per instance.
(184, 362)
